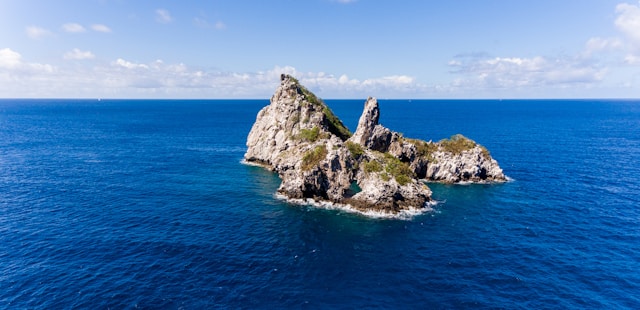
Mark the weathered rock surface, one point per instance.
(473, 165)
(369, 133)
(375, 169)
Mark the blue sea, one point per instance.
(145, 204)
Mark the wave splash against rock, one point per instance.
(373, 170)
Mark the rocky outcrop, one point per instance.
(453, 160)
(375, 169)
(369, 133)
(470, 165)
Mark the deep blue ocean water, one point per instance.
(124, 204)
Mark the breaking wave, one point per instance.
(406, 215)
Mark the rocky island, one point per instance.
(374, 169)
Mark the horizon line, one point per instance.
(354, 99)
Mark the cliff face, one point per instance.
(374, 169)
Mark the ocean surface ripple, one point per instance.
(145, 203)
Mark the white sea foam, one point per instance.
(250, 163)
(402, 215)
(427, 181)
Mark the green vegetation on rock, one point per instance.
(295, 118)
(372, 166)
(485, 152)
(399, 170)
(385, 177)
(355, 149)
(457, 144)
(311, 135)
(336, 126)
(293, 79)
(424, 149)
(313, 157)
(391, 166)
(311, 97)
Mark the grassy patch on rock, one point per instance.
(311, 135)
(423, 148)
(313, 157)
(355, 149)
(335, 125)
(485, 152)
(399, 170)
(372, 166)
(390, 166)
(457, 144)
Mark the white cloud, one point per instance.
(100, 28)
(524, 73)
(345, 1)
(531, 75)
(73, 28)
(600, 44)
(632, 59)
(78, 54)
(129, 65)
(163, 16)
(342, 86)
(36, 32)
(628, 21)
(14, 65)
(603, 44)
(9, 59)
(128, 79)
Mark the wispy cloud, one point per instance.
(163, 16)
(36, 32)
(73, 28)
(220, 25)
(345, 1)
(203, 23)
(77, 54)
(628, 22)
(598, 44)
(100, 28)
(157, 79)
(523, 73)
(586, 69)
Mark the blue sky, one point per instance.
(337, 48)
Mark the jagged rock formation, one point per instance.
(369, 133)
(376, 169)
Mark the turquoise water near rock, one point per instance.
(145, 203)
